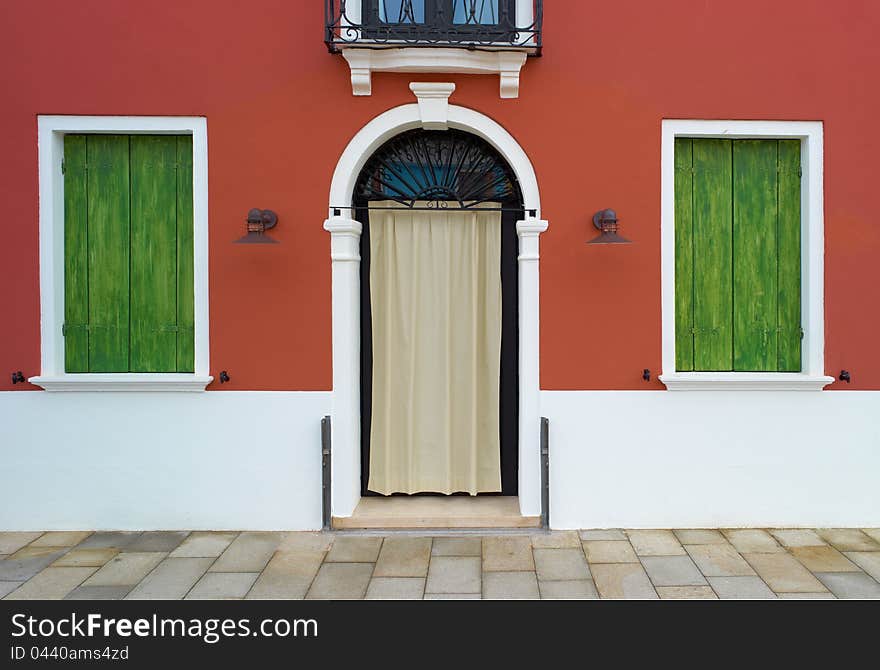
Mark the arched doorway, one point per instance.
(444, 170)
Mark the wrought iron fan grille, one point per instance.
(438, 167)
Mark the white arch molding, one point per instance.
(433, 111)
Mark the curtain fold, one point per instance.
(435, 291)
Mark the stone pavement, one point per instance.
(586, 564)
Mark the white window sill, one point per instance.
(186, 382)
(744, 381)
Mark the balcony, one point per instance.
(468, 36)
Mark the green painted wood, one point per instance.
(754, 253)
(153, 253)
(684, 255)
(713, 273)
(76, 258)
(788, 234)
(185, 288)
(108, 252)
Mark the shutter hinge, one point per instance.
(800, 172)
(63, 166)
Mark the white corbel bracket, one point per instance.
(363, 62)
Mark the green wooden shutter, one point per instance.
(713, 271)
(788, 238)
(76, 259)
(185, 288)
(754, 253)
(684, 255)
(108, 252)
(153, 253)
(738, 247)
(129, 299)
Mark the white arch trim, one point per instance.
(345, 256)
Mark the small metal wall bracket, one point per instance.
(844, 376)
(646, 375)
(545, 473)
(224, 376)
(17, 377)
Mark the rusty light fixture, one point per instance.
(258, 222)
(606, 221)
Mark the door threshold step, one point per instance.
(436, 512)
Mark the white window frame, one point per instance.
(812, 376)
(50, 135)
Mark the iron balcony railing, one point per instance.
(466, 24)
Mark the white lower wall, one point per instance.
(231, 460)
(659, 459)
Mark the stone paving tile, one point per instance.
(8, 587)
(354, 549)
(686, 593)
(850, 584)
(873, 533)
(61, 538)
(672, 571)
(222, 586)
(823, 559)
(741, 588)
(126, 569)
(171, 579)
(783, 573)
(655, 543)
(753, 541)
(454, 574)
(98, 593)
(161, 540)
(20, 569)
(51, 584)
(623, 580)
(396, 588)
(825, 595)
(36, 552)
(557, 539)
(699, 536)
(508, 553)
(719, 560)
(602, 534)
(561, 564)
(341, 581)
(610, 551)
(305, 541)
(510, 586)
(404, 557)
(249, 552)
(12, 541)
(572, 589)
(85, 558)
(452, 596)
(288, 575)
(204, 544)
(457, 546)
(849, 539)
(797, 537)
(109, 540)
(869, 561)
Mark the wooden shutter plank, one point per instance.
(185, 289)
(713, 232)
(684, 255)
(153, 253)
(789, 257)
(108, 251)
(76, 257)
(754, 252)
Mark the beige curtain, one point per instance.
(435, 290)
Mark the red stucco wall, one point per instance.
(280, 112)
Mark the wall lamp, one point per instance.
(605, 220)
(258, 222)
